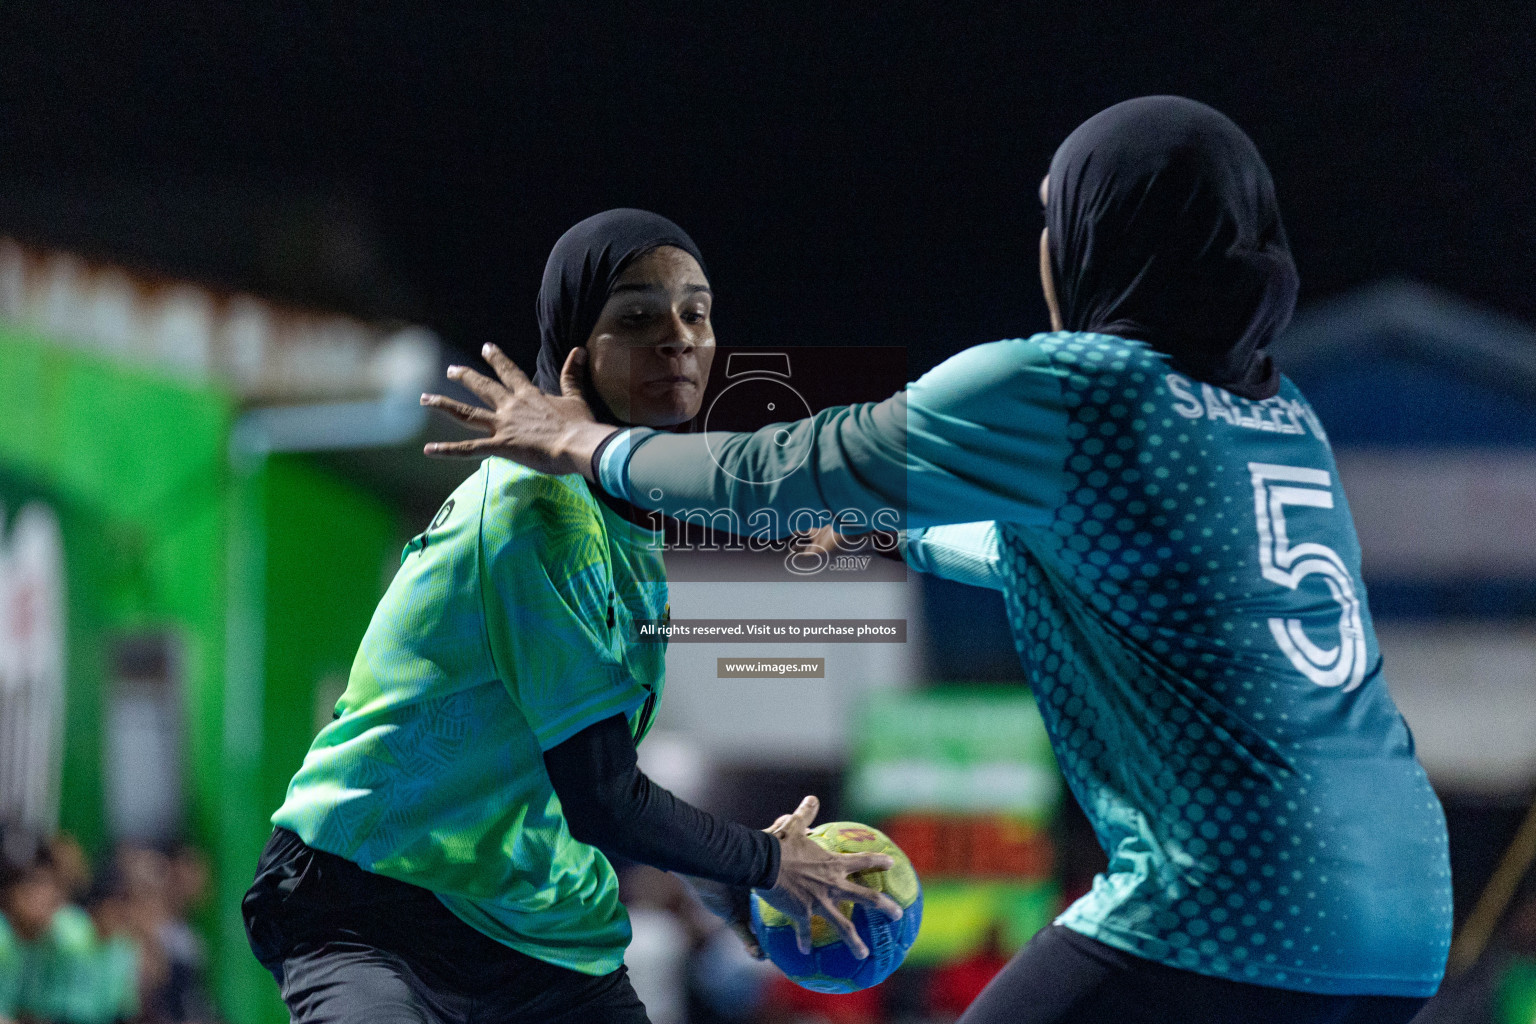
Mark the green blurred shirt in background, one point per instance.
(70, 974)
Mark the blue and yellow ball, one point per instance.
(830, 966)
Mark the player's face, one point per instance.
(1046, 281)
(650, 352)
(31, 902)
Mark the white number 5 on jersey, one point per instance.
(1275, 487)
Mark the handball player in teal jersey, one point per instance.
(1161, 511)
(441, 856)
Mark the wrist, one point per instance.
(774, 853)
(578, 444)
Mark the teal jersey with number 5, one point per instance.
(1183, 584)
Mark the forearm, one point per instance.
(981, 437)
(646, 823)
(849, 461)
(611, 804)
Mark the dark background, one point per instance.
(855, 174)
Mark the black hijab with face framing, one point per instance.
(1163, 227)
(582, 270)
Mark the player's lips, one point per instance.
(673, 381)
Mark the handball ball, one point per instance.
(830, 966)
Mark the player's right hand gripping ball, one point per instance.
(830, 966)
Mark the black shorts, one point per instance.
(1062, 977)
(350, 947)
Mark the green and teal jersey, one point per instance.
(1183, 584)
(70, 975)
(10, 970)
(506, 630)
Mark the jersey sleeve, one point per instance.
(966, 553)
(982, 436)
(549, 606)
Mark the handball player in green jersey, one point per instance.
(1161, 511)
(441, 856)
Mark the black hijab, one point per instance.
(582, 269)
(1164, 228)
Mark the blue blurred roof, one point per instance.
(1399, 364)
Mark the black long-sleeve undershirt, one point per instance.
(609, 803)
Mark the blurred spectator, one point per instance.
(29, 900)
(184, 997)
(70, 866)
(164, 889)
(116, 950)
(76, 967)
(108, 984)
(10, 942)
(146, 878)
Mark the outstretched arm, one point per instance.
(983, 436)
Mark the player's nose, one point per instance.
(680, 337)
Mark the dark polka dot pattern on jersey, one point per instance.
(1259, 826)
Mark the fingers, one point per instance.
(802, 925)
(804, 814)
(823, 538)
(744, 933)
(573, 375)
(874, 899)
(856, 862)
(461, 449)
(844, 926)
(469, 415)
(489, 390)
(506, 369)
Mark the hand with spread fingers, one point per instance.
(812, 881)
(549, 433)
